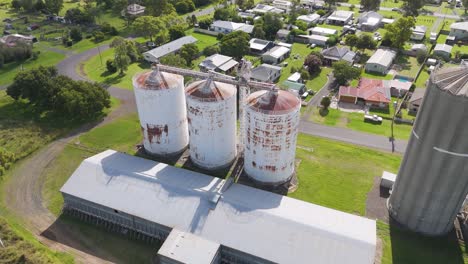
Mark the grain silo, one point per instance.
(271, 121)
(161, 107)
(212, 123)
(432, 182)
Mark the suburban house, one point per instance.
(340, 17)
(276, 55)
(260, 46)
(372, 93)
(218, 63)
(246, 15)
(227, 27)
(443, 50)
(282, 34)
(294, 87)
(380, 61)
(283, 5)
(263, 9)
(135, 10)
(416, 100)
(295, 77)
(266, 73)
(172, 47)
(312, 39)
(459, 30)
(335, 53)
(322, 31)
(309, 19)
(419, 32)
(11, 40)
(370, 21)
(283, 44)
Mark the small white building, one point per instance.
(135, 10)
(282, 34)
(459, 30)
(322, 31)
(370, 21)
(313, 39)
(418, 48)
(419, 32)
(218, 63)
(283, 5)
(172, 47)
(309, 19)
(276, 55)
(263, 9)
(340, 17)
(295, 77)
(443, 50)
(227, 27)
(260, 46)
(380, 61)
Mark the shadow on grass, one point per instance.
(410, 247)
(99, 242)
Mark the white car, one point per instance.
(373, 119)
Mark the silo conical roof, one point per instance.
(157, 80)
(209, 90)
(454, 80)
(273, 101)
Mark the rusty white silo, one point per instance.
(432, 182)
(161, 107)
(271, 123)
(211, 113)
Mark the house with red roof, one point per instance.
(370, 92)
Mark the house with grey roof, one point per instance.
(416, 100)
(370, 21)
(336, 53)
(135, 10)
(381, 61)
(340, 17)
(282, 34)
(260, 46)
(419, 32)
(443, 50)
(169, 48)
(218, 63)
(276, 55)
(227, 27)
(266, 73)
(309, 18)
(459, 30)
(263, 9)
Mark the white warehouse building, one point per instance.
(212, 220)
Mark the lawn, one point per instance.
(355, 121)
(422, 78)
(408, 66)
(203, 39)
(45, 58)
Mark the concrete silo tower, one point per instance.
(432, 182)
(161, 107)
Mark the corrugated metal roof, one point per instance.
(460, 26)
(383, 57)
(454, 80)
(273, 227)
(171, 47)
(277, 52)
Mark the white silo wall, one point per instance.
(162, 112)
(270, 137)
(211, 112)
(432, 182)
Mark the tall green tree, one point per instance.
(235, 44)
(351, 40)
(176, 31)
(189, 52)
(365, 41)
(271, 24)
(399, 32)
(54, 6)
(258, 32)
(121, 58)
(343, 72)
(370, 4)
(313, 62)
(174, 60)
(149, 26)
(412, 7)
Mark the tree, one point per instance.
(210, 50)
(272, 23)
(365, 41)
(370, 4)
(399, 32)
(75, 34)
(301, 25)
(184, 6)
(313, 62)
(39, 5)
(149, 26)
(121, 58)
(325, 102)
(176, 32)
(258, 32)
(158, 8)
(235, 44)
(110, 66)
(189, 52)
(330, 2)
(343, 72)
(16, 4)
(54, 6)
(245, 4)
(191, 20)
(351, 40)
(411, 7)
(421, 56)
(465, 5)
(174, 60)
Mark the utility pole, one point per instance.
(100, 56)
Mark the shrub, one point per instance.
(75, 34)
(110, 65)
(98, 36)
(35, 55)
(321, 12)
(208, 51)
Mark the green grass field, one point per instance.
(46, 58)
(408, 65)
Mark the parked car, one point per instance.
(373, 119)
(311, 92)
(304, 95)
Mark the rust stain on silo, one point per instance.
(156, 131)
